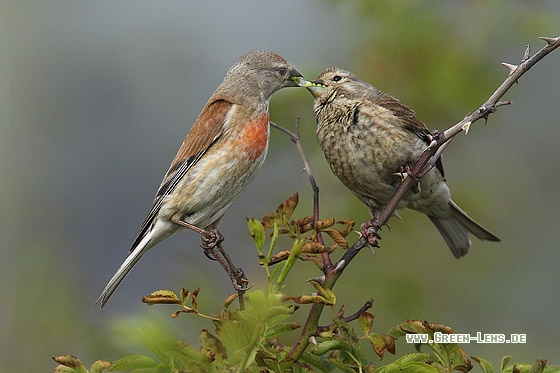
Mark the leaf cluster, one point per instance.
(260, 337)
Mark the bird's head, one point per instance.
(333, 80)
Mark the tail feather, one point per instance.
(456, 230)
(119, 276)
(149, 240)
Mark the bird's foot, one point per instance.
(211, 238)
(215, 251)
(369, 230)
(406, 171)
(239, 280)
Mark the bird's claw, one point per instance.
(369, 231)
(240, 281)
(406, 171)
(210, 239)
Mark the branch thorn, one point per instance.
(549, 41)
(465, 127)
(511, 68)
(503, 103)
(339, 265)
(319, 279)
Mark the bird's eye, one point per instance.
(336, 78)
(282, 71)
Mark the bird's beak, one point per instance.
(315, 87)
(295, 79)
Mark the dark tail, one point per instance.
(456, 230)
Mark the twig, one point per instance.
(295, 137)
(421, 167)
(348, 319)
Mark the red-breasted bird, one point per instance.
(220, 156)
(367, 137)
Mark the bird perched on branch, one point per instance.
(370, 139)
(220, 156)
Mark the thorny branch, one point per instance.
(424, 164)
(441, 140)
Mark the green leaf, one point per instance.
(257, 232)
(280, 328)
(413, 363)
(325, 293)
(162, 297)
(184, 356)
(64, 369)
(100, 366)
(538, 366)
(382, 343)
(505, 361)
(162, 368)
(294, 254)
(484, 364)
(157, 342)
(210, 343)
(132, 362)
(273, 240)
(366, 321)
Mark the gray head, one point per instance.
(257, 75)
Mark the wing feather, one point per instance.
(408, 120)
(206, 130)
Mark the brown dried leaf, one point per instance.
(70, 362)
(282, 213)
(338, 238)
(278, 257)
(304, 224)
(184, 310)
(194, 301)
(325, 223)
(308, 299)
(287, 207)
(348, 226)
(229, 300)
(314, 248)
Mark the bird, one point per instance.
(225, 147)
(370, 139)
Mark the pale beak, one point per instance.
(315, 87)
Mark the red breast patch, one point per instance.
(254, 137)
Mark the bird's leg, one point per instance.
(211, 244)
(237, 276)
(369, 230)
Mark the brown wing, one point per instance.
(205, 131)
(408, 120)
(406, 115)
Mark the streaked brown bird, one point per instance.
(220, 156)
(369, 138)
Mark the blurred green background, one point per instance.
(96, 97)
